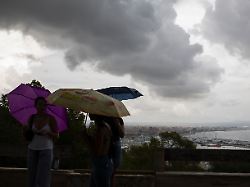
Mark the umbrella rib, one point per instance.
(24, 96)
(23, 107)
(13, 112)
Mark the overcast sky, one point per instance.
(190, 58)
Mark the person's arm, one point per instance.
(88, 139)
(99, 141)
(120, 127)
(53, 126)
(29, 125)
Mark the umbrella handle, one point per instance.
(85, 119)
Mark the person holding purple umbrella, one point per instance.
(40, 147)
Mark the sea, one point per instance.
(242, 135)
(228, 139)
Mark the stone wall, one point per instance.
(196, 179)
(12, 177)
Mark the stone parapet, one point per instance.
(12, 177)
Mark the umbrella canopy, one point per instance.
(121, 93)
(21, 105)
(89, 101)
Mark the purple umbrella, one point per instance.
(21, 105)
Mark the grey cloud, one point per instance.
(29, 57)
(103, 25)
(169, 66)
(230, 103)
(13, 81)
(199, 78)
(229, 24)
(120, 36)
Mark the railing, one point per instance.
(162, 155)
(196, 155)
(13, 177)
(206, 155)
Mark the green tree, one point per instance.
(72, 138)
(10, 129)
(4, 102)
(36, 83)
(175, 140)
(142, 156)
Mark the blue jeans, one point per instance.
(102, 168)
(39, 164)
(117, 154)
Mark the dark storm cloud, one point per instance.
(122, 37)
(229, 24)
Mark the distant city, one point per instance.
(213, 135)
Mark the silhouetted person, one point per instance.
(40, 148)
(99, 144)
(117, 127)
